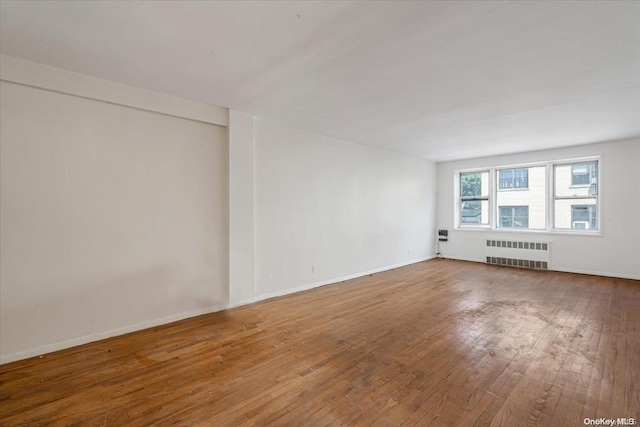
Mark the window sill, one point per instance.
(596, 233)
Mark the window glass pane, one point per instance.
(505, 179)
(530, 201)
(576, 214)
(505, 217)
(474, 184)
(576, 191)
(577, 179)
(521, 178)
(521, 217)
(474, 212)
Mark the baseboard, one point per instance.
(462, 259)
(50, 348)
(289, 291)
(563, 270)
(598, 273)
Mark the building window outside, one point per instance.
(509, 179)
(583, 173)
(583, 217)
(514, 217)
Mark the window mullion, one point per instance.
(493, 184)
(550, 193)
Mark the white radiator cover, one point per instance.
(518, 253)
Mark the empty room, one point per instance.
(322, 213)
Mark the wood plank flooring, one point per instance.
(442, 342)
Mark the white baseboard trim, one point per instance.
(462, 259)
(563, 270)
(597, 273)
(283, 292)
(49, 348)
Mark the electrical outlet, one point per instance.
(408, 251)
(313, 268)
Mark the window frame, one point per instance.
(550, 182)
(480, 198)
(598, 196)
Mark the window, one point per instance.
(583, 217)
(552, 196)
(583, 173)
(513, 179)
(575, 196)
(531, 183)
(474, 198)
(514, 216)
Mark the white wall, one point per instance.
(123, 209)
(343, 207)
(113, 218)
(614, 253)
(241, 209)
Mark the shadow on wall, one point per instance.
(132, 301)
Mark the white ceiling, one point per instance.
(439, 80)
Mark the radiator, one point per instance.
(513, 253)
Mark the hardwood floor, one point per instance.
(443, 343)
